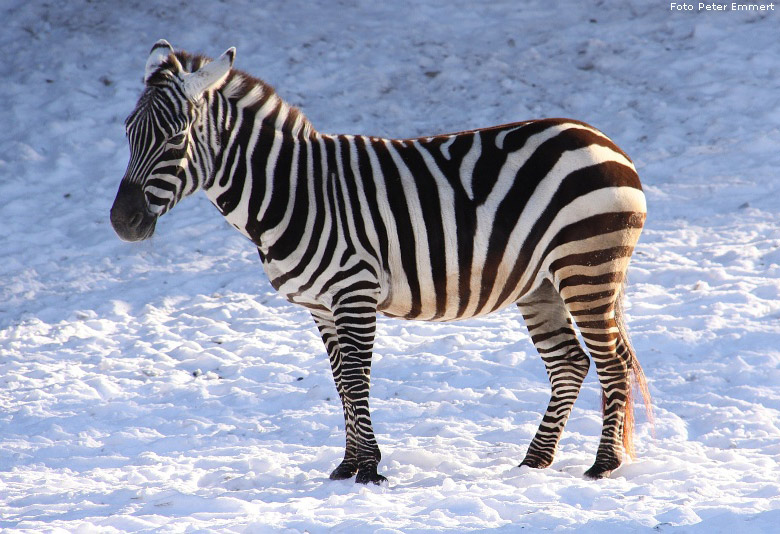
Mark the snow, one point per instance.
(163, 386)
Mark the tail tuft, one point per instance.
(637, 378)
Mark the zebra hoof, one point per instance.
(369, 474)
(601, 470)
(596, 474)
(536, 462)
(344, 471)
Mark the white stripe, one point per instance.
(467, 166)
(397, 287)
(420, 234)
(449, 224)
(502, 135)
(273, 154)
(269, 236)
(445, 147)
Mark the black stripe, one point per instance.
(428, 194)
(586, 280)
(457, 150)
(591, 258)
(281, 190)
(234, 179)
(260, 185)
(353, 198)
(488, 166)
(293, 234)
(396, 199)
(338, 202)
(366, 176)
(466, 220)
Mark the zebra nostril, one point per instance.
(135, 220)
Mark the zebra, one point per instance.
(543, 214)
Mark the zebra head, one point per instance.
(163, 134)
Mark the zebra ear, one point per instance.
(209, 76)
(161, 50)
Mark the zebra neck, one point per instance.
(265, 166)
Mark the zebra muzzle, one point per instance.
(130, 216)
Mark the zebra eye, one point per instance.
(177, 140)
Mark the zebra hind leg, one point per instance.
(550, 327)
(613, 364)
(594, 303)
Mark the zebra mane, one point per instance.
(251, 90)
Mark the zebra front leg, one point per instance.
(355, 328)
(550, 327)
(349, 336)
(349, 465)
(356, 387)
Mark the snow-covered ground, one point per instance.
(163, 386)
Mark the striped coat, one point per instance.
(543, 214)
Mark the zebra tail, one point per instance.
(637, 379)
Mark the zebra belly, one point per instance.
(432, 306)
